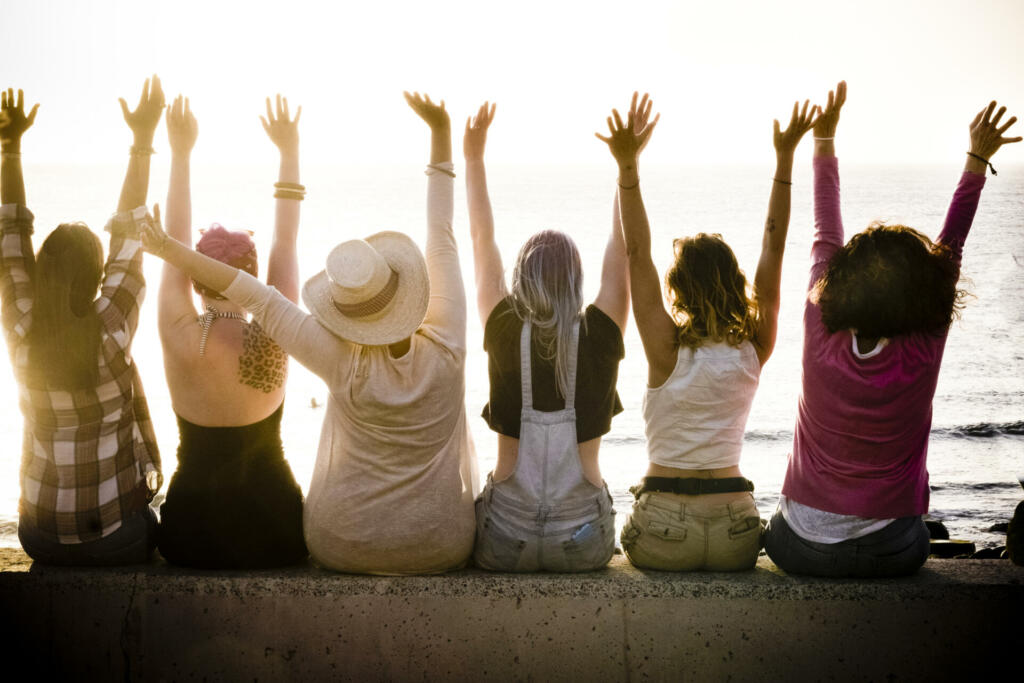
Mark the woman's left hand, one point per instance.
(802, 120)
(434, 114)
(152, 234)
(13, 120)
(627, 140)
(144, 119)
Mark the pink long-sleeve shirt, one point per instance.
(861, 437)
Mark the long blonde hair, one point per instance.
(547, 291)
(709, 293)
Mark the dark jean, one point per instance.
(898, 549)
(132, 543)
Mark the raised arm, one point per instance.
(283, 131)
(490, 274)
(17, 259)
(123, 285)
(298, 333)
(986, 139)
(143, 122)
(175, 303)
(773, 244)
(446, 312)
(828, 221)
(657, 329)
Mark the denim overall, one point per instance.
(546, 515)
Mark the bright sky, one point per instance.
(719, 72)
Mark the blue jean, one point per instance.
(132, 543)
(898, 549)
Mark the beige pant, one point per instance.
(672, 532)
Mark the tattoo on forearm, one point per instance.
(769, 225)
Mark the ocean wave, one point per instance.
(978, 486)
(982, 430)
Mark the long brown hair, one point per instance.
(65, 335)
(709, 293)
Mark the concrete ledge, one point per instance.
(156, 622)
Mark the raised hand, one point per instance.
(144, 119)
(627, 140)
(434, 114)
(182, 128)
(987, 134)
(825, 124)
(13, 121)
(152, 234)
(282, 130)
(801, 122)
(475, 138)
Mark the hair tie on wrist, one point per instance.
(137, 151)
(630, 187)
(984, 161)
(784, 182)
(824, 139)
(440, 169)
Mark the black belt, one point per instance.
(692, 486)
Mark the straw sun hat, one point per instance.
(373, 291)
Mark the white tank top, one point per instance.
(696, 419)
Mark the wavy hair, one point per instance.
(890, 280)
(64, 338)
(709, 293)
(547, 290)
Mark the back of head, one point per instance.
(233, 247)
(889, 280)
(708, 293)
(547, 290)
(65, 335)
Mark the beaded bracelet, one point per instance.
(137, 151)
(290, 186)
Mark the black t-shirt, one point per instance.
(597, 368)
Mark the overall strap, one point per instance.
(570, 400)
(525, 368)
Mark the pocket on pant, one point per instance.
(630, 533)
(495, 549)
(745, 528)
(591, 545)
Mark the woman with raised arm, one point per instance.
(392, 489)
(694, 509)
(89, 464)
(875, 325)
(233, 502)
(552, 367)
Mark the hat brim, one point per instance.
(400, 318)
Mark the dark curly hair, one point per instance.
(890, 280)
(709, 293)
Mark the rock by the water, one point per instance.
(946, 548)
(996, 553)
(1015, 536)
(936, 530)
(999, 528)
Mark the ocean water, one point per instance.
(977, 442)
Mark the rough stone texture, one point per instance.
(155, 622)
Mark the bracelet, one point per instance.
(983, 160)
(290, 186)
(824, 139)
(16, 155)
(784, 182)
(136, 151)
(630, 187)
(441, 169)
(290, 194)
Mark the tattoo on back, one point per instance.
(262, 365)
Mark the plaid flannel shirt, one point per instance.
(89, 457)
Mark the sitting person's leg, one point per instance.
(132, 543)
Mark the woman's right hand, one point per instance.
(182, 128)
(828, 119)
(627, 140)
(144, 119)
(282, 130)
(987, 134)
(475, 138)
(13, 121)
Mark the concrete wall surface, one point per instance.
(955, 618)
